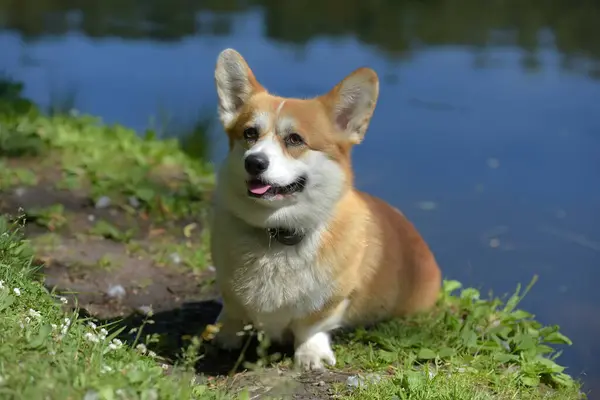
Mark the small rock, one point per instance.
(91, 395)
(133, 202)
(20, 191)
(103, 202)
(175, 258)
(91, 217)
(116, 291)
(146, 310)
(355, 381)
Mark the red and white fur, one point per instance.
(360, 261)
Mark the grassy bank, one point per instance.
(119, 219)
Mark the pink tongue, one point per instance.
(258, 187)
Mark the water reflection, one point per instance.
(486, 133)
(398, 27)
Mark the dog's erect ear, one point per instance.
(235, 84)
(352, 101)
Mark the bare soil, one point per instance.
(119, 281)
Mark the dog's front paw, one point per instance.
(314, 353)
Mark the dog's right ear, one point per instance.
(235, 84)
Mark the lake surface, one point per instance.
(486, 134)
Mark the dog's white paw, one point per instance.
(314, 353)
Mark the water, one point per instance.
(486, 134)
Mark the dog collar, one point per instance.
(285, 236)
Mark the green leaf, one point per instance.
(470, 293)
(469, 338)
(562, 380)
(446, 352)
(531, 381)
(549, 365)
(451, 286)
(557, 338)
(388, 356)
(136, 376)
(426, 354)
(520, 314)
(526, 343)
(41, 337)
(7, 302)
(414, 380)
(106, 393)
(145, 194)
(505, 358)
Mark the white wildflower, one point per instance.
(17, 291)
(34, 314)
(151, 354)
(64, 300)
(1, 284)
(52, 352)
(141, 348)
(105, 369)
(115, 344)
(91, 337)
(103, 333)
(92, 325)
(27, 320)
(165, 366)
(64, 327)
(54, 327)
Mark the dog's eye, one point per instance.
(250, 134)
(294, 139)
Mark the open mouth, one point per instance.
(261, 189)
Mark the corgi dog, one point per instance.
(298, 251)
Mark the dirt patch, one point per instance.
(117, 264)
(113, 259)
(123, 285)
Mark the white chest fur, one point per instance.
(274, 283)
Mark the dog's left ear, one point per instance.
(235, 85)
(351, 103)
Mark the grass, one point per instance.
(47, 353)
(107, 161)
(468, 348)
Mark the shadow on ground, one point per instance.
(176, 327)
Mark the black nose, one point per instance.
(256, 164)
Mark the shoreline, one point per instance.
(119, 220)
